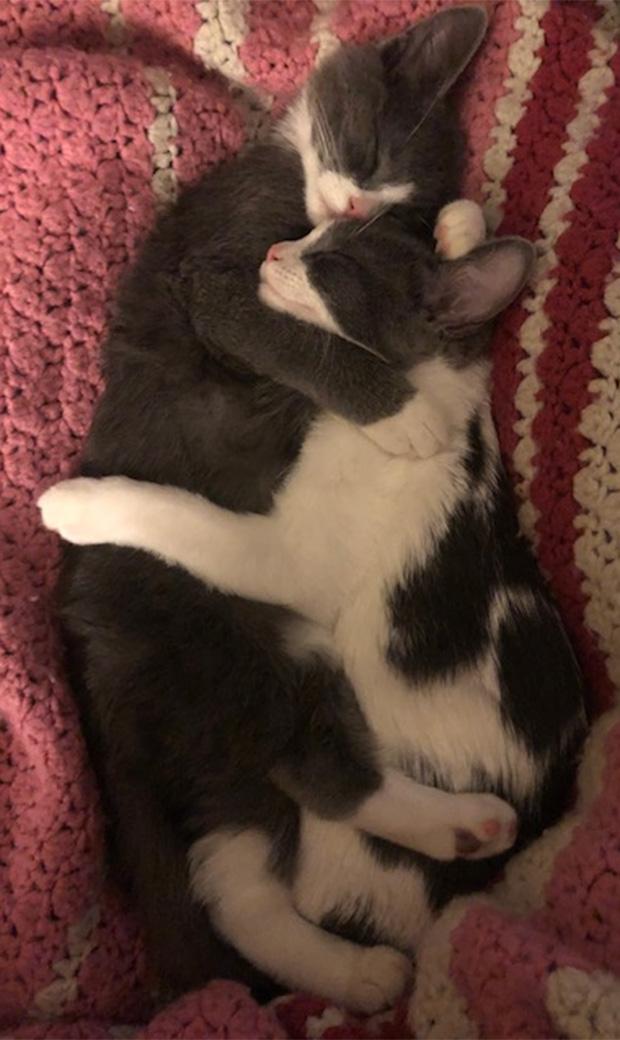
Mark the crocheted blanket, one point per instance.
(107, 107)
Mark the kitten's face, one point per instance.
(372, 126)
(360, 282)
(379, 286)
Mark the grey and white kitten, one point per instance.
(196, 714)
(407, 574)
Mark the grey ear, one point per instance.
(471, 291)
(434, 53)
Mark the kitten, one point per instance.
(410, 576)
(195, 711)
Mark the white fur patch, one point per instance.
(335, 870)
(459, 228)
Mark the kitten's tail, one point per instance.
(183, 950)
(149, 858)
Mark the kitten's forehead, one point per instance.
(351, 72)
(346, 97)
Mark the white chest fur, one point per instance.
(354, 520)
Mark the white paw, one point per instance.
(379, 976)
(419, 429)
(459, 228)
(85, 511)
(483, 826)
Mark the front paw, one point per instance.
(85, 511)
(418, 429)
(459, 228)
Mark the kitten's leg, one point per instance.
(253, 910)
(439, 824)
(237, 553)
(422, 426)
(459, 228)
(338, 376)
(329, 766)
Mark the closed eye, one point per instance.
(364, 158)
(324, 257)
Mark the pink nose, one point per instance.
(276, 251)
(357, 208)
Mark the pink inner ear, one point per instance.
(484, 282)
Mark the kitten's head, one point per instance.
(386, 290)
(373, 127)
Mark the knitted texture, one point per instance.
(107, 107)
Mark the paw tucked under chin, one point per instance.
(419, 429)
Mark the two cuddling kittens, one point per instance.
(317, 632)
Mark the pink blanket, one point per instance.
(106, 108)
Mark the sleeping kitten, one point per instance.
(197, 714)
(406, 573)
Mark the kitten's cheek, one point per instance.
(316, 208)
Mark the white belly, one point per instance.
(350, 516)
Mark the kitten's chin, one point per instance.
(274, 299)
(268, 295)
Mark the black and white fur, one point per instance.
(197, 713)
(407, 574)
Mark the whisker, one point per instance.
(327, 135)
(371, 220)
(425, 116)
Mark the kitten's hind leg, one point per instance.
(237, 553)
(253, 910)
(440, 824)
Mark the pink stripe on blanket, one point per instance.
(210, 124)
(37, 23)
(74, 178)
(501, 965)
(277, 51)
(157, 31)
(360, 21)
